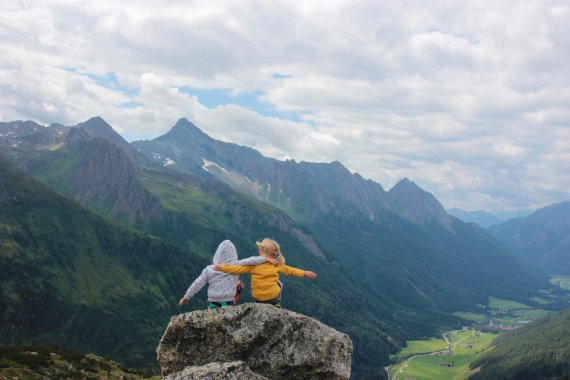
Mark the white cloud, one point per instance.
(470, 100)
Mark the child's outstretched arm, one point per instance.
(234, 269)
(198, 284)
(290, 271)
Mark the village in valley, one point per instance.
(450, 357)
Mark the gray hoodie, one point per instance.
(221, 286)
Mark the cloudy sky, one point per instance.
(471, 100)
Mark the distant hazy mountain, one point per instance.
(482, 218)
(539, 350)
(542, 238)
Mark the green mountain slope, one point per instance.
(195, 216)
(51, 362)
(539, 350)
(73, 278)
(202, 212)
(402, 237)
(392, 266)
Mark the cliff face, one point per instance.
(106, 177)
(272, 342)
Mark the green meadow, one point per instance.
(468, 346)
(469, 316)
(501, 304)
(414, 347)
(561, 281)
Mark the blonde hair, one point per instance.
(271, 248)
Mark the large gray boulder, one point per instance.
(273, 342)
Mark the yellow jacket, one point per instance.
(264, 278)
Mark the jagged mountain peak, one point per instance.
(407, 185)
(184, 128)
(418, 205)
(96, 126)
(328, 188)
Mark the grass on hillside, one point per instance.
(38, 362)
(469, 316)
(440, 367)
(414, 347)
(502, 304)
(177, 196)
(561, 281)
(541, 300)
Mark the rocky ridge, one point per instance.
(272, 342)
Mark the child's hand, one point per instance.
(183, 301)
(272, 261)
(218, 267)
(310, 274)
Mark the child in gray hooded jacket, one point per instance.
(221, 286)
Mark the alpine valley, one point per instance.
(101, 237)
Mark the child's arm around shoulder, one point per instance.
(255, 260)
(234, 269)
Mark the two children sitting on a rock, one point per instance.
(223, 276)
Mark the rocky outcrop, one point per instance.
(272, 342)
(217, 371)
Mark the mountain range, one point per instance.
(543, 238)
(480, 217)
(392, 265)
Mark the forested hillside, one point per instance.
(540, 350)
(108, 289)
(73, 278)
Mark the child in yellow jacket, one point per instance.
(265, 284)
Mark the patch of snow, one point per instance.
(210, 163)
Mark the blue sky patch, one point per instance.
(110, 80)
(280, 76)
(213, 98)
